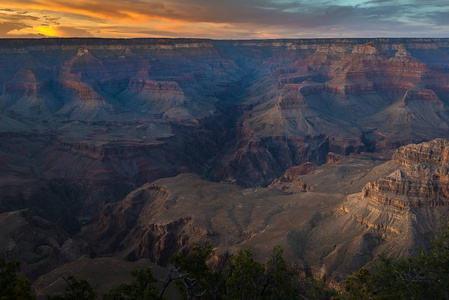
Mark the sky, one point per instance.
(224, 19)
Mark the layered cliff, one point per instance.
(89, 120)
(407, 205)
(84, 122)
(422, 180)
(344, 98)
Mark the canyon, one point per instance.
(137, 148)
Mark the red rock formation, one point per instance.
(368, 69)
(70, 82)
(154, 96)
(291, 180)
(423, 179)
(333, 158)
(404, 209)
(435, 153)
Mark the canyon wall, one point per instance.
(85, 121)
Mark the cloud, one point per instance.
(66, 31)
(6, 27)
(53, 20)
(231, 18)
(17, 17)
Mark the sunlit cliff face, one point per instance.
(231, 19)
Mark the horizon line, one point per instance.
(217, 39)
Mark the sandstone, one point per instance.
(421, 181)
(434, 153)
(406, 206)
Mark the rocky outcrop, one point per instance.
(264, 160)
(71, 84)
(27, 94)
(406, 206)
(434, 153)
(143, 226)
(291, 180)
(421, 181)
(170, 214)
(368, 68)
(417, 94)
(118, 220)
(156, 97)
(333, 158)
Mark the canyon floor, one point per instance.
(124, 151)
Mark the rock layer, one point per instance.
(86, 121)
(422, 179)
(407, 206)
(343, 98)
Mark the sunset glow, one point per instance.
(47, 31)
(223, 19)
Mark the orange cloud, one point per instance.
(109, 10)
(66, 31)
(220, 19)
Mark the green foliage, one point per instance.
(12, 284)
(246, 275)
(194, 278)
(318, 289)
(250, 279)
(357, 285)
(424, 276)
(141, 288)
(243, 278)
(76, 290)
